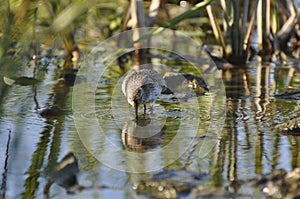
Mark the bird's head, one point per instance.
(136, 98)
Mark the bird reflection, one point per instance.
(142, 135)
(65, 173)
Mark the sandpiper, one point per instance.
(142, 87)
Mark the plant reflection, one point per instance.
(257, 108)
(247, 146)
(51, 135)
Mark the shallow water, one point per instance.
(114, 151)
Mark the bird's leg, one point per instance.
(151, 107)
(145, 109)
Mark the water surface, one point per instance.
(245, 148)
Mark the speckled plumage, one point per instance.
(142, 87)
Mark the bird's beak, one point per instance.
(136, 107)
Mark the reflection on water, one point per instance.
(64, 173)
(141, 136)
(247, 146)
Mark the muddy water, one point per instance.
(114, 153)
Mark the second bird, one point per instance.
(142, 87)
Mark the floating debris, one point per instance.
(211, 192)
(51, 111)
(289, 95)
(280, 184)
(291, 127)
(177, 82)
(23, 81)
(170, 184)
